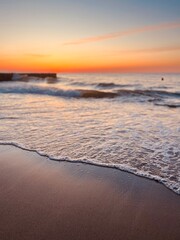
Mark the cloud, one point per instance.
(134, 31)
(148, 50)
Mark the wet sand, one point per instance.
(41, 199)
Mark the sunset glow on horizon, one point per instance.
(90, 36)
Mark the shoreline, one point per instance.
(43, 199)
(88, 163)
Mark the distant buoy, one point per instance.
(162, 79)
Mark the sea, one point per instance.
(126, 121)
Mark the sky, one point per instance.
(90, 36)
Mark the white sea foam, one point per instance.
(17, 77)
(169, 184)
(129, 132)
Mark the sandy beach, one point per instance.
(90, 120)
(42, 199)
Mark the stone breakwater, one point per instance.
(6, 76)
(9, 76)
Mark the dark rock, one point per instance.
(9, 76)
(6, 77)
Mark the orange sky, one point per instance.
(139, 60)
(70, 41)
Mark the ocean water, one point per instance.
(127, 121)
